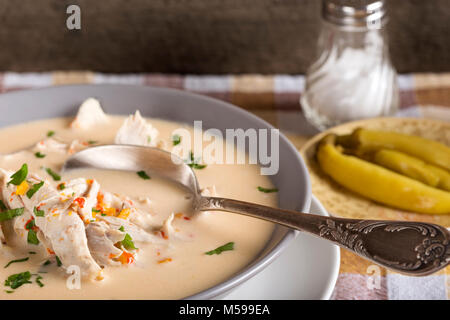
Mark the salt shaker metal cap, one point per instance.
(370, 14)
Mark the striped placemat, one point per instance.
(275, 98)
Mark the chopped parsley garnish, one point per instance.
(122, 229)
(16, 280)
(149, 139)
(128, 243)
(32, 237)
(2, 206)
(46, 263)
(95, 210)
(50, 133)
(143, 175)
(61, 186)
(58, 262)
(39, 155)
(31, 252)
(92, 142)
(38, 213)
(266, 190)
(34, 189)
(53, 174)
(38, 281)
(12, 213)
(226, 247)
(20, 176)
(176, 139)
(194, 163)
(198, 166)
(15, 261)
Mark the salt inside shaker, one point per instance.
(353, 77)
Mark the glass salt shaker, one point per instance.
(353, 77)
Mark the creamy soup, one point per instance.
(131, 236)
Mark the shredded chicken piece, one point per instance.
(89, 114)
(112, 200)
(65, 232)
(167, 227)
(139, 217)
(138, 234)
(136, 131)
(19, 224)
(89, 201)
(168, 231)
(51, 144)
(76, 146)
(75, 188)
(101, 240)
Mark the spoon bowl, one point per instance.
(135, 158)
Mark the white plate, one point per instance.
(307, 269)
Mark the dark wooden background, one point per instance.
(201, 36)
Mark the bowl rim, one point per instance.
(246, 272)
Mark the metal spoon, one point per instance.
(413, 248)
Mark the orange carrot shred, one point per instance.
(126, 258)
(165, 260)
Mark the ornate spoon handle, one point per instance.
(413, 248)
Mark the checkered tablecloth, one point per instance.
(275, 98)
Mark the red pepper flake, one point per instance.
(50, 251)
(163, 234)
(80, 202)
(186, 218)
